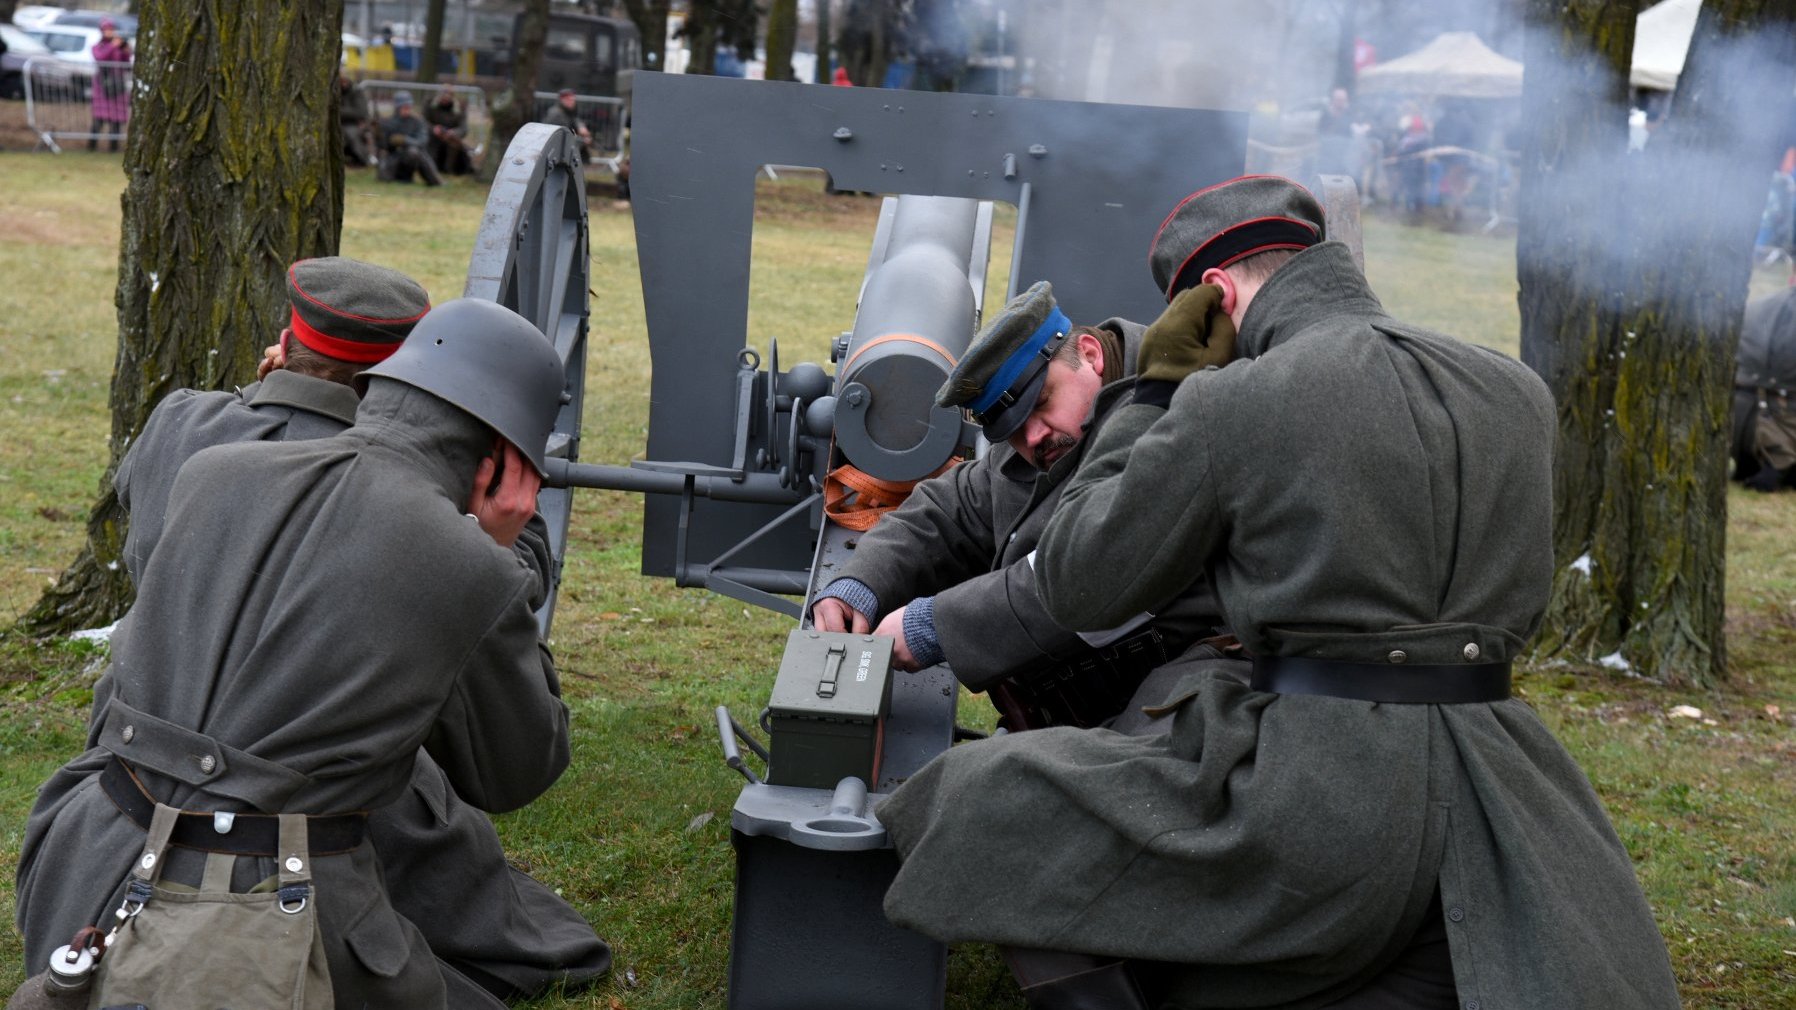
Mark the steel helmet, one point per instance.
(489, 361)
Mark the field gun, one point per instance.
(740, 451)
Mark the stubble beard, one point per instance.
(1050, 451)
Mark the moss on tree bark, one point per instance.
(782, 36)
(1633, 271)
(235, 170)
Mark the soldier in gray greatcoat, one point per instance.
(1371, 820)
(315, 613)
(345, 316)
(1764, 414)
(404, 137)
(948, 575)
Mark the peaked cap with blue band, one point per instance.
(1000, 377)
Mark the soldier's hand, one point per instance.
(273, 359)
(504, 507)
(831, 614)
(1191, 335)
(893, 628)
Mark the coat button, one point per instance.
(1471, 651)
(130, 731)
(208, 763)
(1473, 1004)
(1398, 656)
(1456, 913)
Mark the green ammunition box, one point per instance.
(829, 709)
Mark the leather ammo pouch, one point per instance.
(1082, 692)
(180, 946)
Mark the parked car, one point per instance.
(22, 48)
(125, 23)
(34, 15)
(70, 42)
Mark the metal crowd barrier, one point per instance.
(470, 98)
(64, 100)
(603, 114)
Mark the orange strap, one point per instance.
(856, 500)
(848, 365)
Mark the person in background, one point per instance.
(111, 86)
(448, 134)
(406, 137)
(356, 121)
(565, 114)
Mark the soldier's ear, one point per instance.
(1091, 351)
(1221, 278)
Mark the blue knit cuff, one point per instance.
(919, 632)
(856, 594)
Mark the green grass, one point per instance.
(1703, 804)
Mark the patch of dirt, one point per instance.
(14, 134)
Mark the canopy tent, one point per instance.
(1661, 39)
(1455, 65)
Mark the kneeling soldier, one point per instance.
(436, 851)
(315, 612)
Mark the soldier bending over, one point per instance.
(1372, 822)
(948, 573)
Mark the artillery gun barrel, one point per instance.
(916, 316)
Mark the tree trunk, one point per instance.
(231, 177)
(1633, 272)
(516, 105)
(701, 37)
(432, 53)
(865, 40)
(782, 35)
(650, 18)
(825, 67)
(1345, 77)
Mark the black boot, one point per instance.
(1768, 479)
(1107, 988)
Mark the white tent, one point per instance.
(1455, 65)
(1661, 39)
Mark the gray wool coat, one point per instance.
(431, 844)
(314, 614)
(965, 537)
(1280, 850)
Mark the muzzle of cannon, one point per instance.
(918, 312)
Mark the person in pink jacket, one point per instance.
(112, 84)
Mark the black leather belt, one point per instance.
(1391, 683)
(248, 834)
